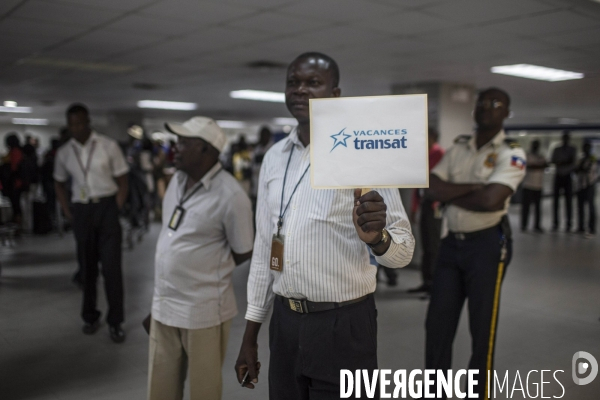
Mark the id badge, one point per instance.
(83, 193)
(176, 218)
(276, 263)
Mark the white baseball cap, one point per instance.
(200, 127)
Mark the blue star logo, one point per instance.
(339, 139)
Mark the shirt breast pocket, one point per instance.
(483, 173)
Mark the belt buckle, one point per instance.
(460, 236)
(296, 305)
(95, 200)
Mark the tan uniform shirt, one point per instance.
(495, 162)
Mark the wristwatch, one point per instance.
(385, 237)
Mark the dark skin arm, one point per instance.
(369, 216)
(240, 258)
(63, 198)
(123, 185)
(248, 358)
(440, 190)
(490, 198)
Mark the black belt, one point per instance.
(471, 235)
(305, 306)
(96, 200)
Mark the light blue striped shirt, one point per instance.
(324, 259)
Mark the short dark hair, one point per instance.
(497, 90)
(332, 66)
(77, 108)
(12, 140)
(431, 131)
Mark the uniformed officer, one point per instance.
(475, 179)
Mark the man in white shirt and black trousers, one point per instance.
(311, 259)
(98, 172)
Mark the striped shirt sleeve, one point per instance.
(402, 246)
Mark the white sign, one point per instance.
(369, 142)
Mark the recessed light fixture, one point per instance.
(10, 103)
(285, 121)
(231, 124)
(30, 121)
(167, 105)
(258, 95)
(537, 72)
(22, 110)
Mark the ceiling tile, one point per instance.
(339, 10)
(477, 11)
(7, 5)
(584, 38)
(278, 24)
(145, 25)
(562, 21)
(31, 28)
(408, 23)
(65, 13)
(463, 36)
(409, 4)
(110, 4)
(201, 13)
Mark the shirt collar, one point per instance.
(292, 139)
(92, 138)
(495, 142)
(206, 179)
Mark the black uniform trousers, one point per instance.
(98, 235)
(530, 197)
(309, 350)
(466, 269)
(563, 183)
(586, 196)
(430, 228)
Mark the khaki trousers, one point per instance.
(175, 352)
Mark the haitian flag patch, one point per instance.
(518, 162)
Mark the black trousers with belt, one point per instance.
(309, 350)
(430, 228)
(563, 183)
(466, 269)
(98, 235)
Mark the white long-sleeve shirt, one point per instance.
(324, 259)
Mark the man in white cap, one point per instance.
(207, 231)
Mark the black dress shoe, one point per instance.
(117, 334)
(89, 328)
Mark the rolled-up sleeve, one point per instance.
(260, 280)
(60, 173)
(238, 223)
(402, 245)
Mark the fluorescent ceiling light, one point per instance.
(167, 105)
(30, 121)
(10, 103)
(285, 121)
(536, 72)
(22, 110)
(259, 95)
(231, 124)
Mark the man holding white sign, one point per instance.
(312, 261)
(475, 178)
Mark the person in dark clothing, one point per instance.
(564, 157)
(532, 187)
(587, 175)
(12, 185)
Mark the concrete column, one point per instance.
(450, 107)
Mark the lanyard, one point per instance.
(184, 199)
(282, 211)
(89, 160)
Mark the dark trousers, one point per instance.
(466, 269)
(563, 183)
(430, 228)
(587, 197)
(98, 235)
(531, 197)
(309, 350)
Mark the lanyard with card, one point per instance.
(276, 263)
(179, 211)
(84, 191)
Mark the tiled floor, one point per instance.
(550, 309)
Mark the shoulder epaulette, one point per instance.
(462, 139)
(512, 143)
